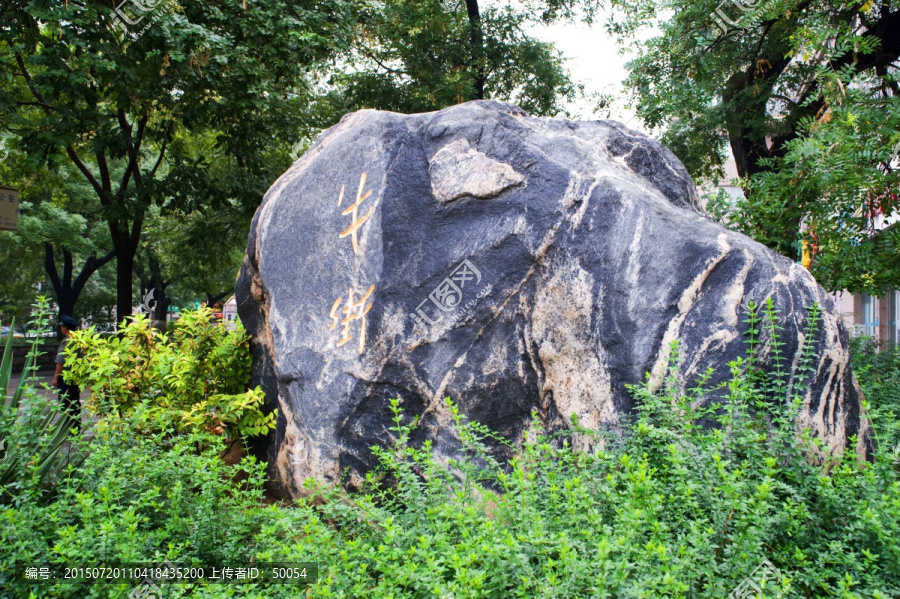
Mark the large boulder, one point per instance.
(511, 263)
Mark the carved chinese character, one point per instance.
(353, 311)
(352, 210)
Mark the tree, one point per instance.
(21, 275)
(81, 89)
(58, 230)
(47, 231)
(58, 234)
(153, 288)
(804, 94)
(195, 242)
(217, 239)
(422, 55)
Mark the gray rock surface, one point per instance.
(510, 263)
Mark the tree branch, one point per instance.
(30, 83)
(136, 230)
(67, 268)
(134, 146)
(477, 41)
(162, 152)
(104, 199)
(104, 172)
(50, 267)
(69, 149)
(212, 299)
(91, 265)
(42, 104)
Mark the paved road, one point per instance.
(44, 377)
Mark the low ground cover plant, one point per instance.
(670, 509)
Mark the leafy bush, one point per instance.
(137, 498)
(672, 509)
(877, 367)
(197, 375)
(33, 428)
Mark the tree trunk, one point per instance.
(125, 251)
(161, 309)
(477, 40)
(65, 289)
(155, 306)
(213, 299)
(158, 285)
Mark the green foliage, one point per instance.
(216, 238)
(196, 375)
(81, 92)
(32, 427)
(804, 95)
(188, 117)
(672, 508)
(423, 55)
(839, 174)
(59, 217)
(878, 370)
(676, 510)
(138, 498)
(20, 274)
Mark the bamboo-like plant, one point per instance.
(31, 442)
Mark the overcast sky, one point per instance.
(594, 61)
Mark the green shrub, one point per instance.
(33, 428)
(137, 498)
(670, 509)
(877, 367)
(674, 510)
(197, 375)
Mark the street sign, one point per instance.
(9, 209)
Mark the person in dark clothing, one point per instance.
(69, 395)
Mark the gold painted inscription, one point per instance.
(352, 211)
(352, 311)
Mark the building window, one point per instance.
(894, 316)
(869, 315)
